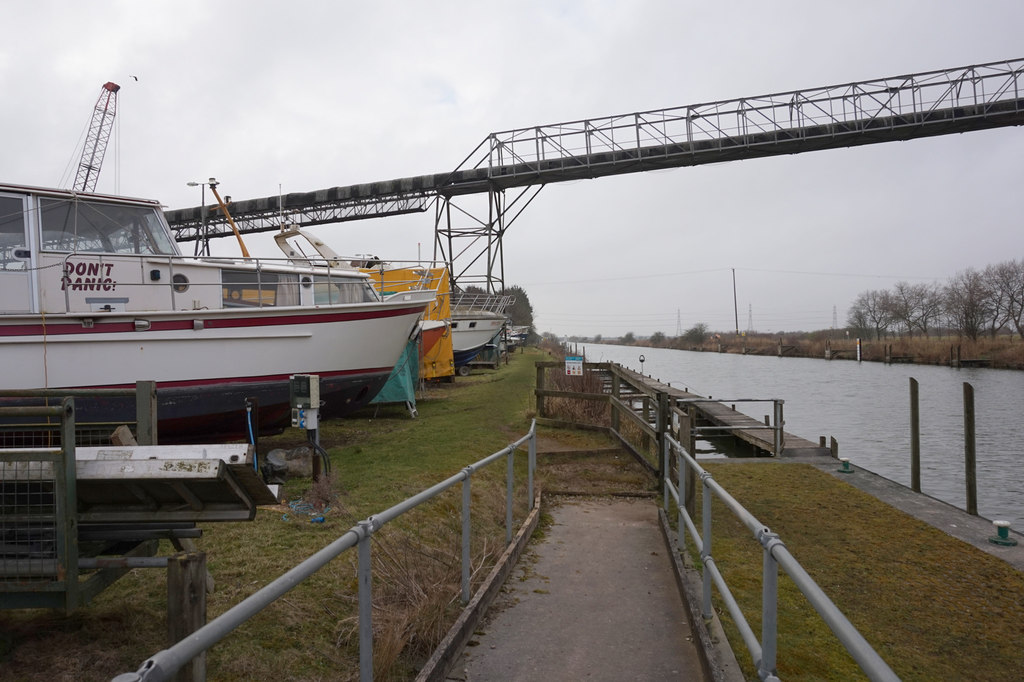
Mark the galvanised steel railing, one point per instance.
(775, 554)
(163, 665)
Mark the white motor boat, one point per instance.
(477, 323)
(95, 293)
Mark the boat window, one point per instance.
(329, 291)
(12, 233)
(77, 225)
(256, 288)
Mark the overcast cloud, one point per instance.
(301, 96)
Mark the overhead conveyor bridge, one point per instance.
(892, 109)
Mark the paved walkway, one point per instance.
(596, 599)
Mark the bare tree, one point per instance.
(968, 303)
(916, 306)
(872, 308)
(1007, 280)
(857, 321)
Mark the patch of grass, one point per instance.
(931, 605)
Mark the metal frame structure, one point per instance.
(490, 231)
(906, 107)
(95, 148)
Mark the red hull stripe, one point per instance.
(266, 378)
(101, 327)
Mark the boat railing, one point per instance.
(477, 302)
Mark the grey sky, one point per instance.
(304, 95)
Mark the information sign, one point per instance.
(573, 366)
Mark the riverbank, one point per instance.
(891, 563)
(1004, 352)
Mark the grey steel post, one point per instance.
(467, 500)
(531, 468)
(665, 482)
(365, 602)
(145, 413)
(691, 448)
(706, 532)
(662, 430)
(969, 451)
(779, 424)
(615, 406)
(769, 607)
(681, 474)
(509, 479)
(915, 438)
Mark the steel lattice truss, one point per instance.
(95, 147)
(890, 109)
(884, 110)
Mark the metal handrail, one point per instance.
(164, 664)
(775, 554)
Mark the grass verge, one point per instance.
(932, 606)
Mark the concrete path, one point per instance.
(595, 599)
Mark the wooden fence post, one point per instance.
(616, 390)
(186, 607)
(145, 413)
(540, 387)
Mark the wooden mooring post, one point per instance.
(969, 450)
(915, 438)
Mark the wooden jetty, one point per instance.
(955, 360)
(655, 407)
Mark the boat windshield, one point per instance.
(330, 291)
(83, 225)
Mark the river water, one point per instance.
(866, 407)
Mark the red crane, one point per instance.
(96, 140)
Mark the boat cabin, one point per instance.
(64, 252)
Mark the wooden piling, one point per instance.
(969, 450)
(915, 438)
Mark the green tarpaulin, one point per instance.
(401, 384)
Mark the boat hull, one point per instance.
(472, 332)
(203, 361)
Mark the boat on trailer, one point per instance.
(478, 321)
(95, 293)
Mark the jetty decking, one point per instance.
(654, 407)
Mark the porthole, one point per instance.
(180, 283)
